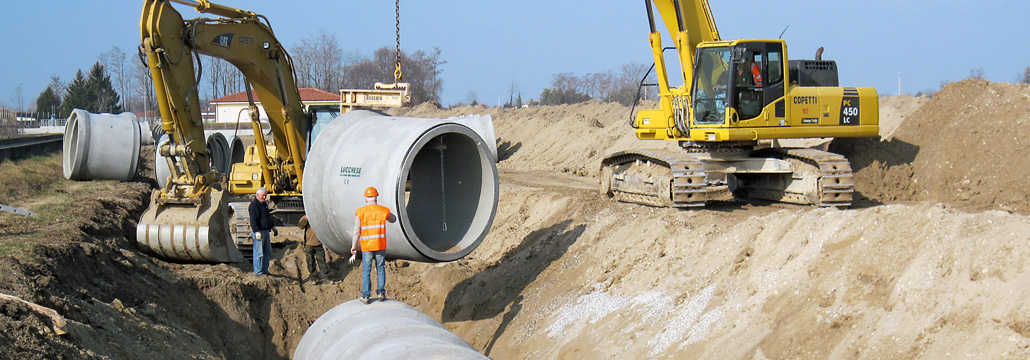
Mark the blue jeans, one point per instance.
(366, 272)
(262, 251)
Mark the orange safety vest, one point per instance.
(757, 73)
(373, 227)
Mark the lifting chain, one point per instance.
(443, 191)
(397, 15)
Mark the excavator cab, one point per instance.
(744, 78)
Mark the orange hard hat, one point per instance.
(371, 191)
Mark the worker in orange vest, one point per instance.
(370, 234)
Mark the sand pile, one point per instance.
(963, 147)
(565, 138)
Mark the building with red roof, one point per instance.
(233, 108)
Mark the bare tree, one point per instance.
(57, 86)
(114, 61)
(18, 98)
(421, 71)
(514, 88)
(1025, 78)
(318, 62)
(144, 88)
(977, 74)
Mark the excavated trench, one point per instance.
(920, 269)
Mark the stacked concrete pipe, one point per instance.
(380, 330)
(449, 208)
(101, 146)
(146, 136)
(237, 151)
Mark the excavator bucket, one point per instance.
(188, 232)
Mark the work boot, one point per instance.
(382, 297)
(364, 300)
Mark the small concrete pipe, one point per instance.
(380, 330)
(146, 136)
(439, 176)
(161, 170)
(236, 151)
(218, 151)
(101, 146)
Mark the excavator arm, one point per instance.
(187, 219)
(690, 23)
(250, 45)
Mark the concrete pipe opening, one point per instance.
(218, 152)
(101, 146)
(237, 151)
(437, 175)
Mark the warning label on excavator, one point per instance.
(849, 106)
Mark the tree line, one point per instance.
(120, 82)
(622, 86)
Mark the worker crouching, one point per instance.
(370, 235)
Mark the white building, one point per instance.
(230, 108)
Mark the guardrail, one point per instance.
(21, 146)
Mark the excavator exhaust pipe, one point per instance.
(438, 176)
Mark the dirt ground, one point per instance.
(929, 263)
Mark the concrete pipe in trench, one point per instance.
(380, 330)
(101, 146)
(438, 176)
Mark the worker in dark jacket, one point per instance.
(260, 225)
(313, 250)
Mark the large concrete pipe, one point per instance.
(437, 175)
(101, 146)
(380, 330)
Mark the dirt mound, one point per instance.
(961, 147)
(895, 109)
(565, 138)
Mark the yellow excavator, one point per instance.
(738, 98)
(188, 219)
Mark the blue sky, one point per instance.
(489, 45)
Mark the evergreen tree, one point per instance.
(1026, 76)
(104, 96)
(48, 103)
(76, 97)
(94, 94)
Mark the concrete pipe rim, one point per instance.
(485, 210)
(76, 141)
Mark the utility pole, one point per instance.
(899, 83)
